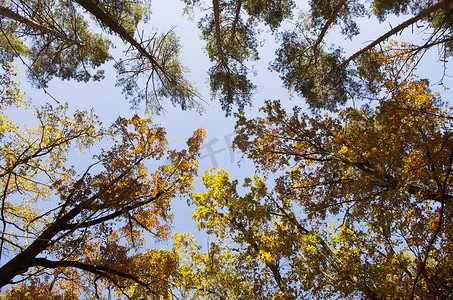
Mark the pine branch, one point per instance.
(429, 10)
(5, 12)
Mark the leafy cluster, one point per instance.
(309, 64)
(56, 39)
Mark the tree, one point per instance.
(308, 63)
(344, 82)
(58, 41)
(81, 234)
(362, 206)
(230, 32)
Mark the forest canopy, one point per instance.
(352, 194)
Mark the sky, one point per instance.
(108, 102)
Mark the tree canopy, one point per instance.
(308, 62)
(351, 199)
(83, 232)
(57, 40)
(361, 207)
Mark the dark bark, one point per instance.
(108, 21)
(97, 270)
(216, 8)
(25, 259)
(327, 25)
(111, 216)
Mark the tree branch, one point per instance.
(72, 226)
(105, 18)
(235, 21)
(97, 270)
(329, 22)
(439, 225)
(439, 5)
(5, 12)
(23, 260)
(216, 8)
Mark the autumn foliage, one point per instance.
(71, 233)
(361, 206)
